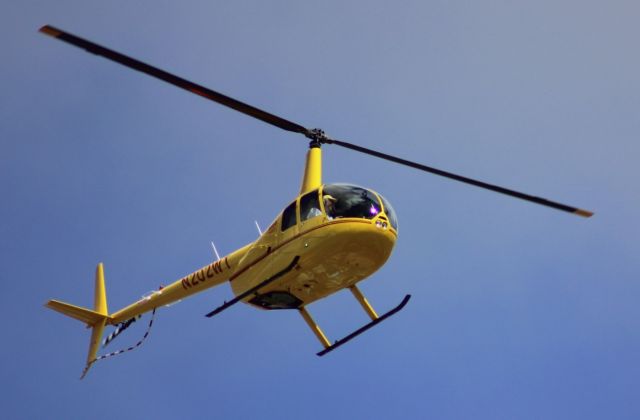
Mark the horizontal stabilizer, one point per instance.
(85, 315)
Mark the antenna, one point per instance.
(215, 251)
(258, 226)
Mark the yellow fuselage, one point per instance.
(334, 254)
(340, 239)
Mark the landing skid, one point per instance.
(364, 328)
(328, 347)
(253, 290)
(375, 319)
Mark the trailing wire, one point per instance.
(119, 329)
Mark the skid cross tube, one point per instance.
(365, 327)
(255, 289)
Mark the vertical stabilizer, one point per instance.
(100, 293)
(95, 319)
(99, 306)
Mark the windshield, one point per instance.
(342, 200)
(390, 212)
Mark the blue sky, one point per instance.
(518, 311)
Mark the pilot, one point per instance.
(329, 205)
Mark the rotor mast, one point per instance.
(312, 177)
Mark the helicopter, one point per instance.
(327, 239)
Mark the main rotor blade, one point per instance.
(501, 190)
(174, 80)
(315, 135)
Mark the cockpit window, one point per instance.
(289, 217)
(391, 213)
(349, 201)
(309, 206)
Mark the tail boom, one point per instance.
(97, 318)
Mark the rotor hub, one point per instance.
(317, 137)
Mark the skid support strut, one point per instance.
(363, 302)
(375, 319)
(314, 327)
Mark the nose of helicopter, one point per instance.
(350, 250)
(366, 245)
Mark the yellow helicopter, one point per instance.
(329, 238)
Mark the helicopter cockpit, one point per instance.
(339, 201)
(342, 200)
